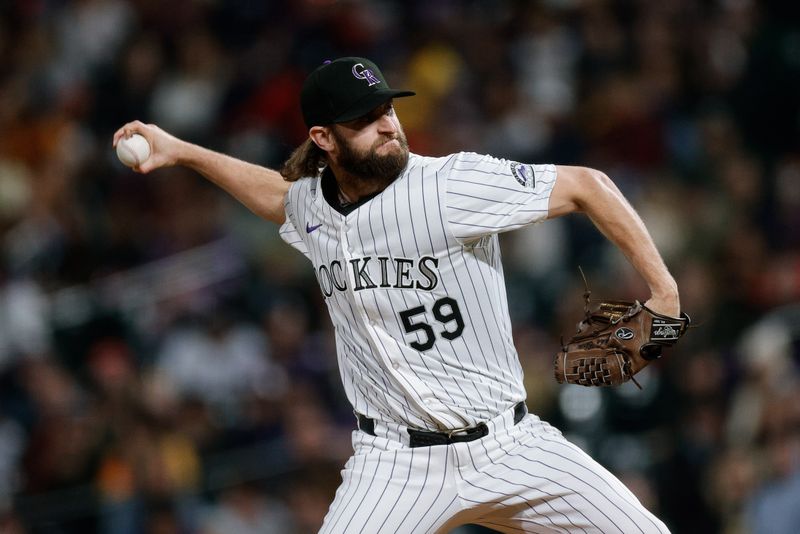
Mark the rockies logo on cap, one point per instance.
(336, 92)
(363, 73)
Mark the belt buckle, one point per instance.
(469, 434)
(450, 433)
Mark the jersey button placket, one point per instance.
(389, 360)
(346, 252)
(348, 255)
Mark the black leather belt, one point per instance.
(428, 438)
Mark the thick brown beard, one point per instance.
(370, 167)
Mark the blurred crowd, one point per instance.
(166, 363)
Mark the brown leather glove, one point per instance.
(614, 341)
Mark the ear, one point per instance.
(322, 137)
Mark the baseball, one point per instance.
(133, 150)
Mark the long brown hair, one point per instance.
(307, 160)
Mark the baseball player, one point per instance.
(406, 253)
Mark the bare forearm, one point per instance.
(613, 215)
(592, 192)
(260, 189)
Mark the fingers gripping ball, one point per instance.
(133, 151)
(615, 340)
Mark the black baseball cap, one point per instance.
(344, 89)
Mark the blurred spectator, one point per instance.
(12, 444)
(242, 509)
(773, 507)
(188, 100)
(24, 319)
(164, 361)
(220, 362)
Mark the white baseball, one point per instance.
(133, 150)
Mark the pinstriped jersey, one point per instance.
(413, 281)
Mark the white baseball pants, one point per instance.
(519, 478)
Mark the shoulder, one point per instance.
(451, 162)
(302, 186)
(306, 182)
(300, 196)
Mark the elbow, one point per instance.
(602, 179)
(594, 185)
(580, 189)
(597, 181)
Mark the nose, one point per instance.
(387, 125)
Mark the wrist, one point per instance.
(665, 301)
(666, 295)
(667, 290)
(184, 153)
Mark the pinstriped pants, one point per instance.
(519, 478)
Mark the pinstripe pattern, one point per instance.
(392, 490)
(413, 281)
(562, 487)
(430, 212)
(520, 478)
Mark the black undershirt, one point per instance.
(330, 190)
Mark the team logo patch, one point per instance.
(363, 73)
(624, 333)
(523, 174)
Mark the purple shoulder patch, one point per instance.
(523, 174)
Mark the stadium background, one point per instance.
(166, 364)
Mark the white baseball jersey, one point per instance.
(414, 285)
